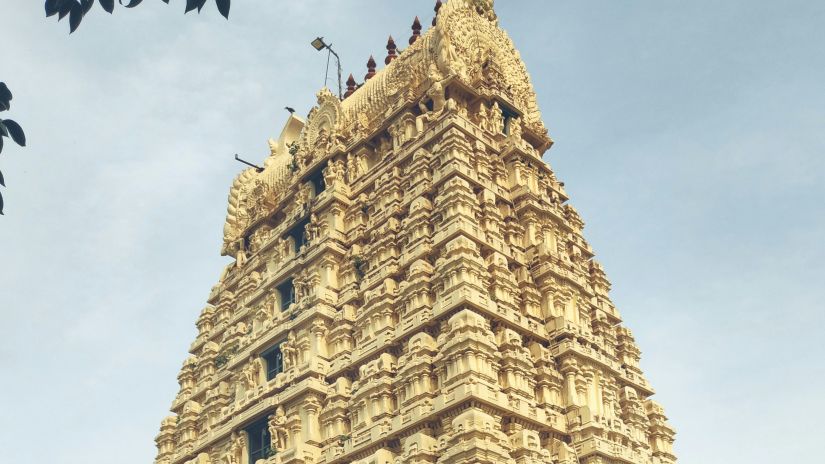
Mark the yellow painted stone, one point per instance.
(425, 281)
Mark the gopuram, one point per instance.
(410, 285)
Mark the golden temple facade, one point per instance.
(411, 285)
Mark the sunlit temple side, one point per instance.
(411, 285)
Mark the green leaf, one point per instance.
(16, 132)
(223, 7)
(108, 5)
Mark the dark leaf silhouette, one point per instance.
(223, 7)
(75, 17)
(3, 131)
(2, 181)
(16, 132)
(52, 7)
(5, 93)
(191, 5)
(5, 97)
(1, 204)
(108, 5)
(1, 144)
(64, 8)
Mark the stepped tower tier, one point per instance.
(411, 285)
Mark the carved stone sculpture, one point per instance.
(444, 308)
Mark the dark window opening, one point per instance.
(274, 361)
(287, 291)
(317, 180)
(298, 233)
(260, 442)
(508, 118)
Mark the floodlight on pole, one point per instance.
(319, 44)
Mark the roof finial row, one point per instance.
(351, 86)
(438, 6)
(391, 51)
(370, 68)
(416, 28)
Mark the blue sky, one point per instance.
(690, 136)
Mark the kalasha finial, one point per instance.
(370, 69)
(438, 6)
(416, 28)
(350, 86)
(391, 51)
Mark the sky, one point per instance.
(690, 136)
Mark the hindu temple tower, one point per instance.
(411, 285)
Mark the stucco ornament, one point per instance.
(412, 285)
(323, 132)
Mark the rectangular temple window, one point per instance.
(317, 180)
(509, 116)
(274, 360)
(287, 293)
(298, 233)
(260, 442)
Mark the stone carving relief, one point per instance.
(448, 308)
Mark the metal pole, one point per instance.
(340, 71)
(326, 74)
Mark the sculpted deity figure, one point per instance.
(352, 169)
(240, 253)
(324, 141)
(448, 59)
(251, 373)
(435, 92)
(515, 129)
(283, 248)
(496, 119)
(483, 117)
(290, 351)
(341, 170)
(277, 430)
(313, 230)
(331, 174)
(303, 196)
(237, 443)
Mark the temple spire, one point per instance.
(371, 64)
(416, 28)
(351, 86)
(392, 51)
